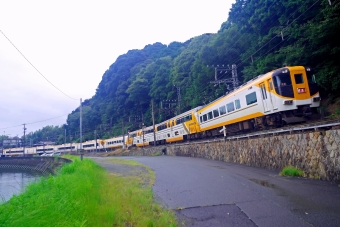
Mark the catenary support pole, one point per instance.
(153, 123)
(81, 133)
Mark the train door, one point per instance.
(266, 101)
(271, 94)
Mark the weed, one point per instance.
(292, 171)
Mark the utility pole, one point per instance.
(80, 125)
(179, 99)
(3, 147)
(24, 138)
(234, 75)
(71, 142)
(153, 123)
(65, 137)
(123, 132)
(167, 107)
(143, 133)
(95, 138)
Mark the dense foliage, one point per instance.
(259, 36)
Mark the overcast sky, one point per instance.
(72, 43)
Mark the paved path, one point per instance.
(214, 193)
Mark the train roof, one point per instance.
(183, 114)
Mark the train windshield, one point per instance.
(313, 87)
(283, 83)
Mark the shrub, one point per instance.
(292, 171)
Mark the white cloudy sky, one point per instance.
(72, 42)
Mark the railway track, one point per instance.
(316, 125)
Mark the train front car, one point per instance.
(283, 96)
(295, 93)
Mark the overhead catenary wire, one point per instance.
(33, 122)
(35, 67)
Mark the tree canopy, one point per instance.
(259, 36)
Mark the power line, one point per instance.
(35, 67)
(34, 122)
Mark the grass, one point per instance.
(85, 194)
(291, 171)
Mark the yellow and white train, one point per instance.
(282, 96)
(50, 150)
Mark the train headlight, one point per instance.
(287, 102)
(316, 99)
(301, 90)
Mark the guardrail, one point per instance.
(45, 165)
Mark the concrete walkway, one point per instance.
(214, 193)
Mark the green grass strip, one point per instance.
(84, 194)
(292, 171)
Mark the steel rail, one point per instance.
(268, 132)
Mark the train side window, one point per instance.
(210, 116)
(223, 110)
(216, 114)
(310, 76)
(201, 119)
(204, 117)
(264, 91)
(251, 98)
(313, 87)
(237, 104)
(298, 78)
(230, 107)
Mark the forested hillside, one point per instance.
(259, 36)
